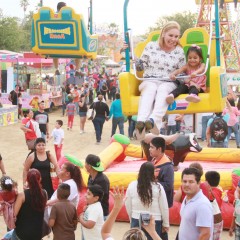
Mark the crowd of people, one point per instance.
(28, 214)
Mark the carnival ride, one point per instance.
(222, 56)
(122, 159)
(215, 71)
(229, 31)
(62, 35)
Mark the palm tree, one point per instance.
(24, 4)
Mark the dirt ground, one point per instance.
(14, 150)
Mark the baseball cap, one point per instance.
(95, 162)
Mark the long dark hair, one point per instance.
(75, 174)
(144, 186)
(38, 198)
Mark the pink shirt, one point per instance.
(233, 115)
(199, 81)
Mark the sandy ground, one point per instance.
(14, 150)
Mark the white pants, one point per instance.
(154, 91)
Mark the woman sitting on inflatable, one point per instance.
(159, 59)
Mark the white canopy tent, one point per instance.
(111, 63)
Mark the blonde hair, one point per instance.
(167, 27)
(134, 234)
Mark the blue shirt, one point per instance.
(225, 118)
(116, 109)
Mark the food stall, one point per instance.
(35, 77)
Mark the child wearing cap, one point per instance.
(95, 169)
(92, 219)
(63, 216)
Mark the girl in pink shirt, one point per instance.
(195, 84)
(233, 124)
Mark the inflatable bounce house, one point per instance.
(122, 161)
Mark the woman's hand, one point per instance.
(172, 76)
(118, 196)
(193, 75)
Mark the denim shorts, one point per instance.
(82, 114)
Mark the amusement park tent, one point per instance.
(111, 63)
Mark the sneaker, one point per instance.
(98, 142)
(57, 72)
(149, 124)
(140, 130)
(81, 132)
(170, 99)
(67, 128)
(192, 98)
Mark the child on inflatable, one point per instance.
(195, 84)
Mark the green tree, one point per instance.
(24, 4)
(26, 32)
(185, 19)
(9, 37)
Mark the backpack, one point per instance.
(218, 129)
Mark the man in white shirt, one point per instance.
(196, 210)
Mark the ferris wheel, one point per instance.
(229, 31)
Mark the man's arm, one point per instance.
(167, 178)
(208, 136)
(205, 233)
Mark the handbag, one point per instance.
(36, 128)
(46, 230)
(90, 112)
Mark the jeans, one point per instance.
(178, 126)
(98, 125)
(119, 121)
(158, 228)
(77, 107)
(219, 144)
(43, 136)
(131, 127)
(63, 108)
(204, 126)
(182, 89)
(14, 236)
(234, 129)
(171, 129)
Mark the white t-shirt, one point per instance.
(94, 212)
(73, 197)
(171, 119)
(57, 135)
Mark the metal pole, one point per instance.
(90, 18)
(217, 31)
(126, 36)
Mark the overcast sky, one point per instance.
(141, 13)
